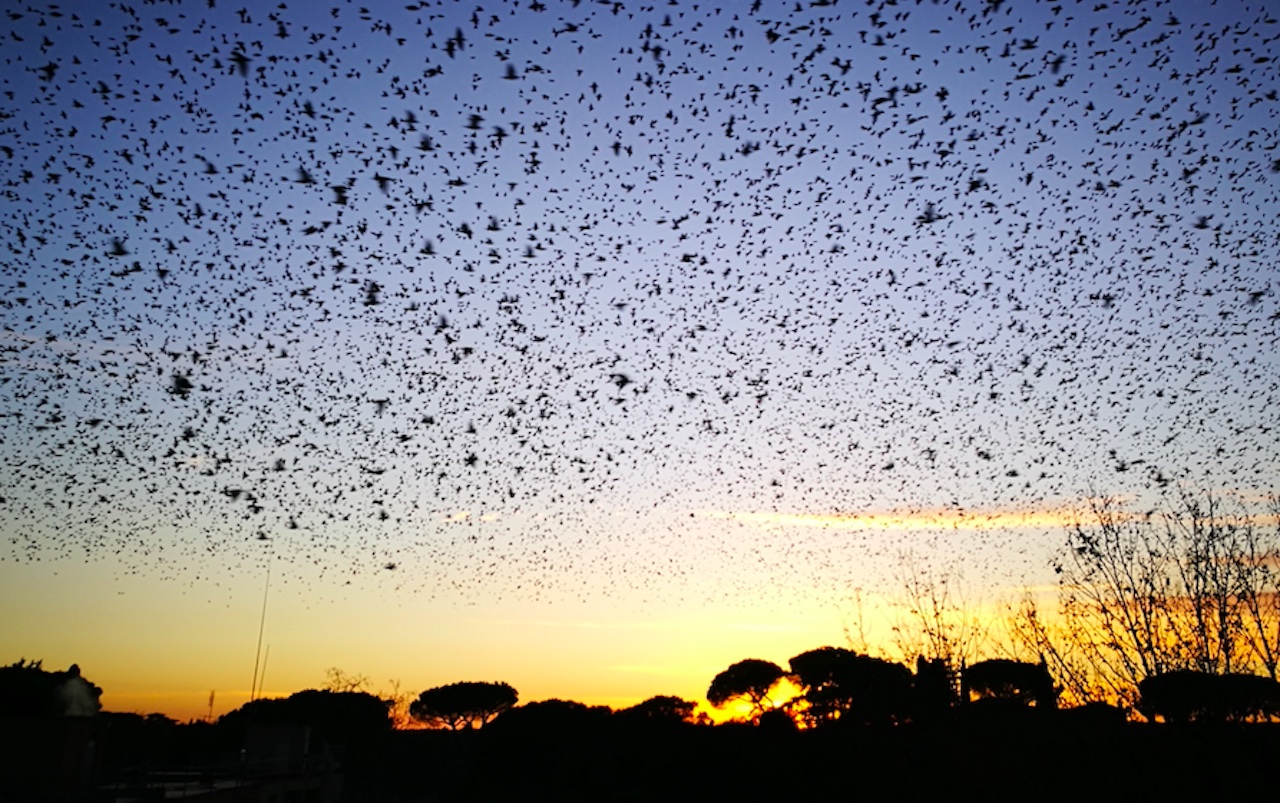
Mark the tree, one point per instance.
(1191, 587)
(932, 693)
(338, 680)
(396, 700)
(1032, 634)
(553, 718)
(1187, 695)
(27, 689)
(1010, 681)
(397, 705)
(841, 684)
(938, 618)
(1260, 591)
(751, 679)
(312, 722)
(337, 717)
(462, 705)
(662, 708)
(1179, 696)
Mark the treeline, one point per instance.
(857, 725)
(836, 687)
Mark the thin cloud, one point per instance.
(942, 519)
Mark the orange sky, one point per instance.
(163, 645)
(157, 643)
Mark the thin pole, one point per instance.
(262, 679)
(262, 623)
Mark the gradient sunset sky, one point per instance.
(595, 346)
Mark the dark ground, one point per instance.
(1030, 761)
(1020, 757)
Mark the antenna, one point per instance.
(262, 623)
(210, 717)
(262, 679)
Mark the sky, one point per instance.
(595, 346)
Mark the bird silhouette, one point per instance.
(530, 300)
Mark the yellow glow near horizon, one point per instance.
(156, 645)
(741, 709)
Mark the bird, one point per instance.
(547, 300)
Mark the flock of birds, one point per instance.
(504, 298)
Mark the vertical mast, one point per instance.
(262, 623)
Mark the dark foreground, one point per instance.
(1130, 762)
(1007, 758)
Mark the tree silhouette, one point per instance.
(932, 694)
(397, 701)
(839, 684)
(936, 613)
(558, 718)
(1179, 696)
(462, 705)
(751, 679)
(29, 690)
(1189, 587)
(1188, 696)
(338, 680)
(662, 708)
(335, 716)
(1249, 697)
(1010, 681)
